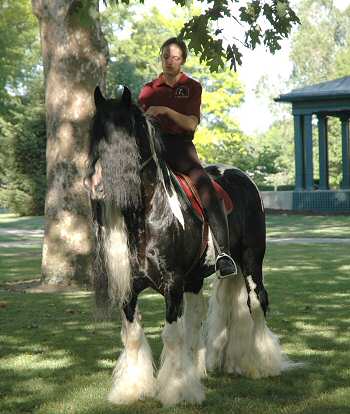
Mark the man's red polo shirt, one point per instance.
(184, 97)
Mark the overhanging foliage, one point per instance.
(263, 22)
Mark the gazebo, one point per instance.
(324, 100)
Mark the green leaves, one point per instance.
(251, 12)
(320, 52)
(234, 56)
(320, 48)
(119, 2)
(278, 14)
(22, 153)
(19, 45)
(209, 49)
(209, 45)
(266, 22)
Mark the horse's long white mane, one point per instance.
(117, 255)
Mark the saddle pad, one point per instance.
(193, 196)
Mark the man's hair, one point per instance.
(178, 42)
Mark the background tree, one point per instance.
(74, 59)
(19, 71)
(319, 52)
(19, 45)
(24, 167)
(320, 46)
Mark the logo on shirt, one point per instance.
(182, 92)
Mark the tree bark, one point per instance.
(75, 57)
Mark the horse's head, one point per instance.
(115, 153)
(112, 114)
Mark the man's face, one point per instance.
(172, 60)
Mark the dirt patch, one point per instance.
(36, 286)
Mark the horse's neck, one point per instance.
(151, 179)
(155, 176)
(155, 179)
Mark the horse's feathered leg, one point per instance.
(219, 316)
(251, 349)
(178, 378)
(263, 356)
(252, 266)
(133, 375)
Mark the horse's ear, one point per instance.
(98, 97)
(126, 97)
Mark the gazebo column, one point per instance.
(323, 152)
(345, 153)
(299, 153)
(309, 169)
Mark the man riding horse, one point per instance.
(174, 99)
(143, 242)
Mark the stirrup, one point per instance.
(230, 275)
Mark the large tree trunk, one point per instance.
(75, 57)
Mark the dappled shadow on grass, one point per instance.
(56, 359)
(19, 264)
(284, 225)
(54, 339)
(310, 293)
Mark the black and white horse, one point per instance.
(147, 236)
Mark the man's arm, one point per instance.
(187, 122)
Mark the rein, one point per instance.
(175, 207)
(145, 163)
(153, 155)
(153, 151)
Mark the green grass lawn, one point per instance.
(284, 225)
(19, 263)
(21, 223)
(55, 359)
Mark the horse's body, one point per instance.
(147, 236)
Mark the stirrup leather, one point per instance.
(234, 265)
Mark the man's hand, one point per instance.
(157, 110)
(187, 122)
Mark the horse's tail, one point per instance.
(112, 275)
(248, 205)
(235, 179)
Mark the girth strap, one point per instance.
(205, 226)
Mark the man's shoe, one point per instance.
(225, 266)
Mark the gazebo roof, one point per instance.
(337, 88)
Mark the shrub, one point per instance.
(24, 180)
